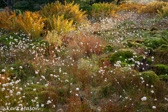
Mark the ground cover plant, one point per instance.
(112, 58)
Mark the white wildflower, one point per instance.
(77, 89)
(18, 93)
(153, 107)
(46, 85)
(49, 101)
(12, 68)
(152, 91)
(144, 98)
(3, 70)
(42, 105)
(3, 89)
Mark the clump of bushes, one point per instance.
(131, 6)
(55, 16)
(164, 11)
(153, 7)
(74, 70)
(60, 24)
(31, 23)
(8, 21)
(70, 11)
(103, 10)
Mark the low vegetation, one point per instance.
(106, 58)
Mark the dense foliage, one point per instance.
(108, 58)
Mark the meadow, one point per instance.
(85, 58)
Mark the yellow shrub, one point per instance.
(103, 10)
(54, 38)
(7, 20)
(50, 9)
(131, 6)
(60, 25)
(31, 23)
(164, 11)
(70, 11)
(153, 7)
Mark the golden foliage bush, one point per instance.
(31, 24)
(7, 20)
(60, 24)
(153, 7)
(53, 38)
(164, 11)
(59, 27)
(103, 10)
(70, 11)
(131, 6)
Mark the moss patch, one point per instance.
(161, 54)
(132, 43)
(163, 77)
(160, 69)
(121, 55)
(150, 77)
(108, 49)
(153, 42)
(144, 59)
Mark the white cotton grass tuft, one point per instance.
(3, 89)
(77, 89)
(18, 93)
(3, 70)
(49, 101)
(153, 107)
(144, 98)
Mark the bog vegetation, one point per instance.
(101, 57)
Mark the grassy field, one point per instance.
(107, 58)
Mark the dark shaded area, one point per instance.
(2, 4)
(37, 3)
(118, 1)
